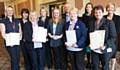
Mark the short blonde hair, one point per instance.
(74, 10)
(32, 13)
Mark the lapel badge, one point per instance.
(77, 27)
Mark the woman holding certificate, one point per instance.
(76, 34)
(102, 37)
(34, 36)
(55, 32)
(43, 20)
(11, 33)
(116, 18)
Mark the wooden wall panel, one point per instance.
(1, 8)
(117, 2)
(22, 5)
(105, 2)
(33, 4)
(79, 4)
(99, 2)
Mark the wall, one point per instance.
(71, 2)
(47, 3)
(105, 2)
(1, 8)
(38, 4)
(30, 4)
(19, 4)
(81, 7)
(80, 4)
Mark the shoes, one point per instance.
(50, 69)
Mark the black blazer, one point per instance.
(60, 29)
(109, 27)
(64, 16)
(28, 32)
(116, 20)
(43, 24)
(86, 19)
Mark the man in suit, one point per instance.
(66, 18)
(65, 15)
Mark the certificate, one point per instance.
(12, 39)
(97, 39)
(71, 36)
(40, 34)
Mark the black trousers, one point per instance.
(26, 56)
(14, 53)
(103, 58)
(57, 57)
(31, 56)
(48, 56)
(64, 57)
(76, 59)
(40, 57)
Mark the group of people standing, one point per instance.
(55, 52)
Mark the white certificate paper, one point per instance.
(40, 34)
(97, 39)
(71, 36)
(12, 39)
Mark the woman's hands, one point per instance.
(55, 37)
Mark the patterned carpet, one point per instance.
(5, 60)
(118, 61)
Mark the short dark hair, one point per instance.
(98, 7)
(24, 10)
